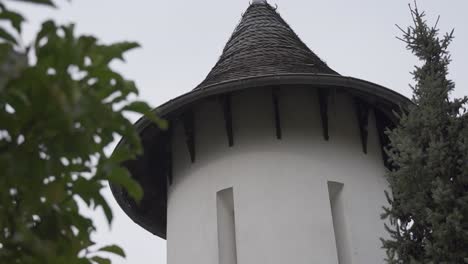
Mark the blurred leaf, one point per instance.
(118, 49)
(5, 35)
(121, 177)
(100, 260)
(162, 123)
(105, 208)
(144, 108)
(88, 190)
(15, 19)
(121, 154)
(42, 2)
(113, 249)
(11, 64)
(138, 107)
(48, 27)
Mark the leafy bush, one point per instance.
(61, 105)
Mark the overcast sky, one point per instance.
(181, 41)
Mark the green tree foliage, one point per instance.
(429, 154)
(61, 105)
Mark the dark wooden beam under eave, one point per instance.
(362, 113)
(275, 97)
(323, 103)
(189, 128)
(382, 122)
(168, 153)
(227, 113)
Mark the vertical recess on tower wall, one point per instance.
(335, 190)
(227, 250)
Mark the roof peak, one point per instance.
(263, 44)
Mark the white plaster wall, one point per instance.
(281, 200)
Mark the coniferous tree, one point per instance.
(428, 152)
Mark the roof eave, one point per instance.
(178, 104)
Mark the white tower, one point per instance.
(274, 158)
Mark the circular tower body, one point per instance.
(297, 199)
(274, 158)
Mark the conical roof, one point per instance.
(263, 44)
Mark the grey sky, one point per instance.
(181, 41)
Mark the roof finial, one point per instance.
(254, 2)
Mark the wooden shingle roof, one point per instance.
(263, 44)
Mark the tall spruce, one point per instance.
(428, 152)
